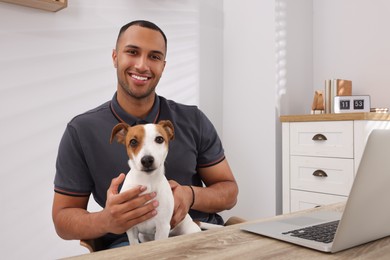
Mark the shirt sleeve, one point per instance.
(211, 151)
(72, 175)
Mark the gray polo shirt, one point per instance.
(87, 162)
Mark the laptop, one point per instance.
(366, 216)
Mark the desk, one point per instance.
(232, 243)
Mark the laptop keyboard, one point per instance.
(320, 233)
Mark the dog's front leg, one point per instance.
(162, 231)
(186, 226)
(132, 234)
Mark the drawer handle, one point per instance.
(319, 137)
(320, 173)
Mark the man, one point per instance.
(87, 163)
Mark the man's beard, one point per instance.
(127, 89)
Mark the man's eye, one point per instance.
(133, 143)
(132, 52)
(155, 57)
(159, 139)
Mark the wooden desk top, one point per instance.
(336, 117)
(232, 243)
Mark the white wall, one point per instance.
(329, 39)
(211, 60)
(351, 41)
(249, 104)
(295, 84)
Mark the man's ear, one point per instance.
(114, 58)
(119, 133)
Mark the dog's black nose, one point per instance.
(147, 161)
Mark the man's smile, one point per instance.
(139, 77)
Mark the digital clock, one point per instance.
(351, 104)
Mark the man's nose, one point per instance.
(142, 63)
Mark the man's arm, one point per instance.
(122, 211)
(221, 189)
(219, 194)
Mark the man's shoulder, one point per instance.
(178, 107)
(98, 113)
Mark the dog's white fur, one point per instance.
(147, 148)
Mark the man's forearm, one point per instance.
(76, 223)
(215, 198)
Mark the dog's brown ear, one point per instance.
(168, 127)
(119, 133)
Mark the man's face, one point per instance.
(140, 60)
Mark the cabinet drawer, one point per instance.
(308, 138)
(306, 174)
(301, 200)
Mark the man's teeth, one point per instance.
(139, 77)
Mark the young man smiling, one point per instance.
(199, 174)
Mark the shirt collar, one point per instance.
(129, 119)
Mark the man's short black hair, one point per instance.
(145, 24)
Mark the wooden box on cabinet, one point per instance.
(321, 154)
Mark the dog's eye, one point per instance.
(159, 139)
(133, 143)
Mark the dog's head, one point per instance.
(146, 145)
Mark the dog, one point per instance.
(147, 148)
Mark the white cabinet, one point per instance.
(321, 154)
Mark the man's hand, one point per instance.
(127, 209)
(183, 198)
(122, 211)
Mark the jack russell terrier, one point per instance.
(147, 148)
